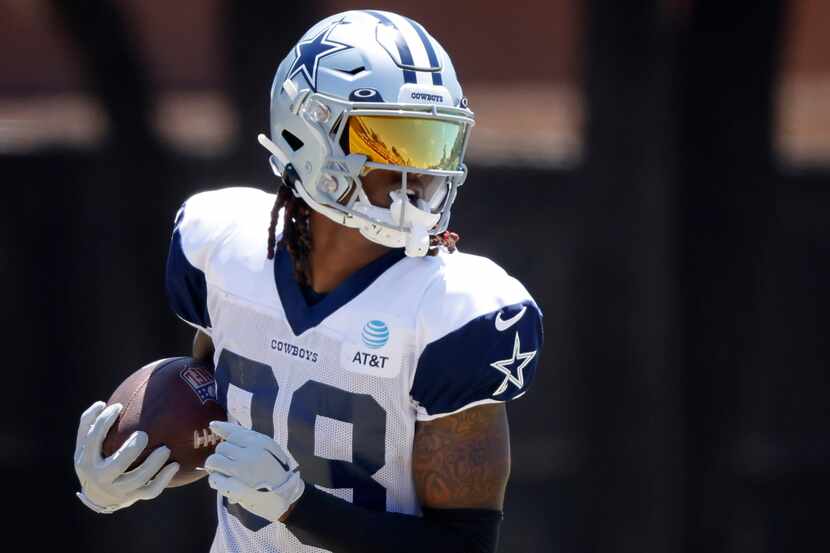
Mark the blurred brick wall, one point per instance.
(507, 54)
(531, 40)
(183, 41)
(803, 118)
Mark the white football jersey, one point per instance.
(341, 383)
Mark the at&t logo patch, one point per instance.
(375, 334)
(376, 353)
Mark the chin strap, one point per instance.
(417, 243)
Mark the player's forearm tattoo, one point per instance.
(463, 460)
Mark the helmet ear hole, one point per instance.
(292, 140)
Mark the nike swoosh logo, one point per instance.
(280, 461)
(504, 324)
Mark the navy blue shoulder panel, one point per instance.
(186, 286)
(492, 357)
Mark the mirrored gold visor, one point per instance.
(408, 141)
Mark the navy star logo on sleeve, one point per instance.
(506, 366)
(310, 52)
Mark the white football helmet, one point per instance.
(366, 90)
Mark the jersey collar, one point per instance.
(302, 316)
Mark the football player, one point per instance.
(364, 364)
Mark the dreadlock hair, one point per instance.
(446, 239)
(296, 235)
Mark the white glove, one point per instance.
(251, 469)
(105, 486)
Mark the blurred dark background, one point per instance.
(656, 172)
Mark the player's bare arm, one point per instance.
(462, 461)
(202, 347)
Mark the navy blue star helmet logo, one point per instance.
(310, 52)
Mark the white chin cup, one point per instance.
(400, 214)
(417, 242)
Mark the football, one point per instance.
(173, 401)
